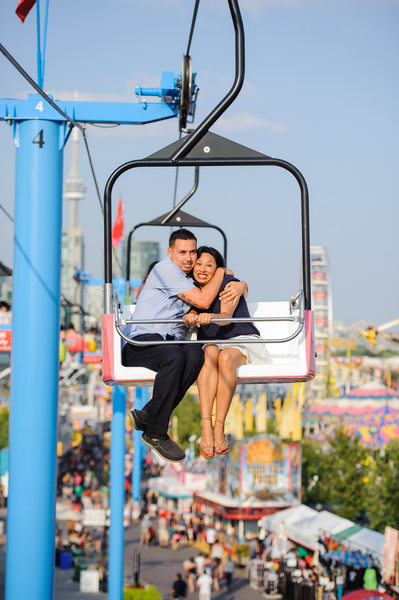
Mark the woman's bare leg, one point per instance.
(228, 362)
(207, 385)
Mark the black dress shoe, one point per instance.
(166, 448)
(139, 419)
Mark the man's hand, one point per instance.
(233, 292)
(190, 319)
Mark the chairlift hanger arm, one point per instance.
(179, 157)
(203, 127)
(207, 162)
(185, 199)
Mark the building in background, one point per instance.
(5, 283)
(72, 252)
(144, 252)
(323, 322)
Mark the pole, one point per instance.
(117, 495)
(35, 355)
(142, 397)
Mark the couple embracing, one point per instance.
(195, 286)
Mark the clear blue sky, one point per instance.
(321, 91)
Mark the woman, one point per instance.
(218, 376)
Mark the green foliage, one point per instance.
(385, 488)
(4, 420)
(365, 351)
(313, 472)
(147, 593)
(271, 427)
(189, 419)
(336, 475)
(347, 475)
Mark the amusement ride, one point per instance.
(42, 127)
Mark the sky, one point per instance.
(321, 91)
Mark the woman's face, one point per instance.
(204, 268)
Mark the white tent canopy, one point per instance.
(303, 525)
(367, 540)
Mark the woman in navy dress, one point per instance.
(217, 380)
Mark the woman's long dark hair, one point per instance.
(213, 252)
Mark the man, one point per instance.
(229, 570)
(204, 585)
(179, 588)
(168, 294)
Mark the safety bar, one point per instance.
(250, 340)
(296, 302)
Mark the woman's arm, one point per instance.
(203, 297)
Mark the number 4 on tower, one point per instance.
(39, 139)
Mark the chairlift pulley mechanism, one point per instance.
(186, 91)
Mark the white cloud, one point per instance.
(245, 121)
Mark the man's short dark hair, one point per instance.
(181, 234)
(4, 304)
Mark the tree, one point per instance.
(334, 474)
(188, 414)
(313, 475)
(4, 419)
(348, 475)
(385, 488)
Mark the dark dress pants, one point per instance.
(177, 367)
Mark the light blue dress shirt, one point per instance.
(158, 300)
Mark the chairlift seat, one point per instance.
(289, 361)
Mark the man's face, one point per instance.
(183, 253)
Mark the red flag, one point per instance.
(117, 230)
(24, 7)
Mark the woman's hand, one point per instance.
(204, 318)
(233, 292)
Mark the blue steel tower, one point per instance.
(40, 127)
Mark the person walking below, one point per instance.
(204, 586)
(229, 570)
(179, 588)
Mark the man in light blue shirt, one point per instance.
(168, 294)
(159, 300)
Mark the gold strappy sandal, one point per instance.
(207, 452)
(223, 447)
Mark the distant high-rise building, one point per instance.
(5, 283)
(144, 252)
(72, 253)
(323, 321)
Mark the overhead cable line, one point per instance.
(190, 37)
(39, 90)
(7, 213)
(192, 26)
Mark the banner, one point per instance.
(5, 340)
(390, 559)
